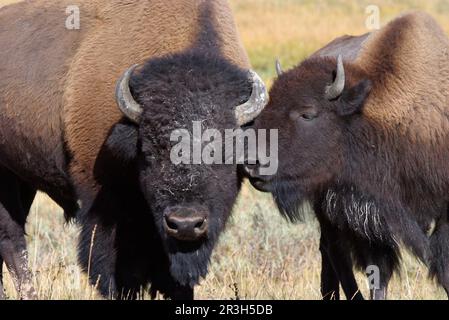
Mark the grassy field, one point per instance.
(260, 256)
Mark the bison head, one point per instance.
(189, 203)
(313, 107)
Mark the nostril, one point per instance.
(172, 225)
(199, 224)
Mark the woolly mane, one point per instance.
(408, 61)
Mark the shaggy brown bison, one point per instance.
(364, 136)
(144, 220)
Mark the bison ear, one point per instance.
(352, 100)
(118, 155)
(121, 143)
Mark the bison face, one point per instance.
(190, 201)
(312, 106)
(190, 205)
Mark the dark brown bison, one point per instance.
(364, 136)
(144, 219)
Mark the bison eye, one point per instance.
(305, 115)
(308, 116)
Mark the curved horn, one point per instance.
(248, 111)
(278, 68)
(334, 90)
(125, 101)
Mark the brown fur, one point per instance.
(408, 63)
(416, 48)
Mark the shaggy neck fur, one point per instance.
(404, 121)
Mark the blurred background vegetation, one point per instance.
(260, 256)
(293, 29)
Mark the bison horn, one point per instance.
(278, 68)
(125, 101)
(334, 90)
(248, 111)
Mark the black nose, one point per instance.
(186, 225)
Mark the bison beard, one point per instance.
(188, 262)
(290, 200)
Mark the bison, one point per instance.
(80, 124)
(364, 137)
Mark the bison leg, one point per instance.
(2, 291)
(439, 266)
(171, 290)
(97, 257)
(330, 285)
(379, 286)
(15, 201)
(337, 266)
(379, 261)
(113, 247)
(336, 257)
(182, 293)
(380, 293)
(14, 253)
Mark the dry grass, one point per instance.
(260, 256)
